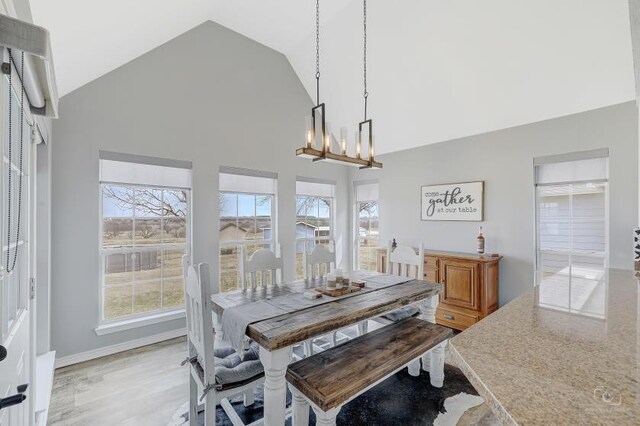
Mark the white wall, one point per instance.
(210, 96)
(504, 161)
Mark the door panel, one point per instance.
(15, 322)
(461, 283)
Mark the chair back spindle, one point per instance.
(262, 261)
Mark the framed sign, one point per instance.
(453, 201)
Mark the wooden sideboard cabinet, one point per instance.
(470, 285)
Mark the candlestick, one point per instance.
(358, 141)
(328, 138)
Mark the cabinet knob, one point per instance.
(449, 317)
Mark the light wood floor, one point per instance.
(139, 387)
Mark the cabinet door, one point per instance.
(431, 275)
(461, 283)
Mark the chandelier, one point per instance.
(316, 124)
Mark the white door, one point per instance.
(15, 230)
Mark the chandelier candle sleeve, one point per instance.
(343, 140)
(309, 132)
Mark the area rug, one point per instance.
(399, 400)
(455, 406)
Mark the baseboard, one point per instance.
(119, 347)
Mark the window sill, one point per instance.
(128, 324)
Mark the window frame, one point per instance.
(273, 241)
(358, 237)
(104, 252)
(332, 224)
(570, 253)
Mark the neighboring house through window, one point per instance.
(145, 218)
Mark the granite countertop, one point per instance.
(565, 353)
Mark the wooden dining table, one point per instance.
(276, 336)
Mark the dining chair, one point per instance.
(403, 261)
(263, 264)
(322, 260)
(220, 373)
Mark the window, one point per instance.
(314, 218)
(571, 211)
(13, 270)
(366, 221)
(247, 219)
(144, 235)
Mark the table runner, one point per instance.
(236, 319)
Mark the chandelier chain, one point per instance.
(317, 52)
(366, 93)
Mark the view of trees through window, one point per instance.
(144, 236)
(313, 226)
(367, 235)
(246, 224)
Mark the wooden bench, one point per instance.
(329, 379)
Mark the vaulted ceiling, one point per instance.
(438, 70)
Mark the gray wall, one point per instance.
(504, 160)
(210, 96)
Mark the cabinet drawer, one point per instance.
(431, 275)
(455, 319)
(430, 262)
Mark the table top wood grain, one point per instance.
(296, 327)
(331, 377)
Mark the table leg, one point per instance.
(326, 418)
(300, 408)
(436, 370)
(275, 385)
(428, 310)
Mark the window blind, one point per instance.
(247, 184)
(594, 169)
(315, 189)
(141, 170)
(366, 191)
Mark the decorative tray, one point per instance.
(336, 292)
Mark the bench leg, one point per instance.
(362, 327)
(436, 369)
(326, 418)
(300, 408)
(414, 368)
(275, 385)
